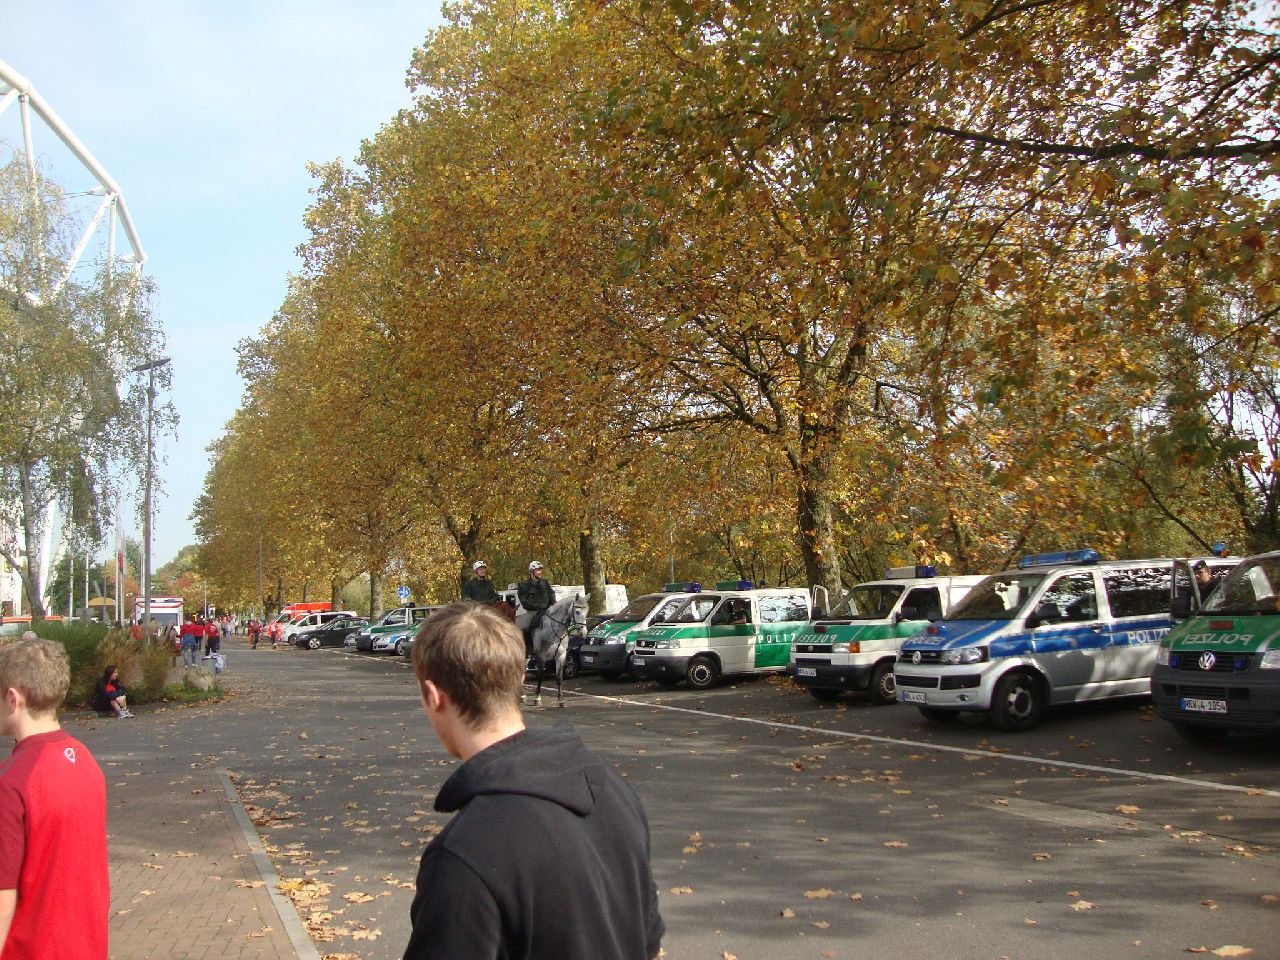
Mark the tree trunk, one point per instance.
(814, 515)
(306, 590)
(375, 594)
(31, 584)
(335, 593)
(279, 591)
(467, 540)
(593, 573)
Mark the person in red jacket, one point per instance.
(54, 889)
(212, 639)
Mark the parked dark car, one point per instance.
(331, 634)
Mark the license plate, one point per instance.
(806, 672)
(637, 661)
(914, 696)
(588, 658)
(1204, 706)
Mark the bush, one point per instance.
(81, 641)
(155, 663)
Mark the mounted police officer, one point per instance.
(480, 588)
(536, 595)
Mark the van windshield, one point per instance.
(1252, 587)
(637, 609)
(1000, 597)
(867, 602)
(693, 609)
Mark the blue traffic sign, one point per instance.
(403, 594)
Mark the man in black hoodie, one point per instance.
(548, 855)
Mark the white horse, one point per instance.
(550, 640)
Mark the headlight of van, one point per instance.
(671, 644)
(1270, 660)
(853, 646)
(958, 655)
(1162, 656)
(609, 640)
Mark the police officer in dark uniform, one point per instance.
(536, 595)
(480, 588)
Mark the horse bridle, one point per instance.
(572, 621)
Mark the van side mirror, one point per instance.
(1180, 607)
(907, 613)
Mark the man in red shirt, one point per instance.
(54, 891)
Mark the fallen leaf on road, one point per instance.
(365, 934)
(1082, 905)
(1042, 856)
(681, 891)
(728, 956)
(821, 894)
(1030, 923)
(248, 883)
(821, 924)
(787, 913)
(855, 897)
(896, 843)
(1128, 808)
(357, 897)
(1232, 950)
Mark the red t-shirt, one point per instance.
(53, 849)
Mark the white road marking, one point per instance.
(939, 747)
(925, 745)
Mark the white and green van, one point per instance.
(734, 629)
(1219, 670)
(855, 645)
(609, 644)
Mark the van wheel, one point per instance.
(938, 715)
(1197, 733)
(702, 673)
(882, 689)
(825, 694)
(1018, 702)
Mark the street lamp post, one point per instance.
(150, 368)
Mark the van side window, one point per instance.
(925, 602)
(790, 609)
(1069, 599)
(1139, 592)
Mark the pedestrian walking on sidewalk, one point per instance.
(489, 885)
(54, 890)
(191, 631)
(212, 639)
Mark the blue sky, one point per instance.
(206, 114)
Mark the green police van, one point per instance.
(733, 629)
(609, 644)
(855, 645)
(1219, 670)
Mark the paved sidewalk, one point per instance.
(185, 882)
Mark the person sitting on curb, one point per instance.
(109, 694)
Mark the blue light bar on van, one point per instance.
(682, 588)
(918, 572)
(1062, 556)
(735, 585)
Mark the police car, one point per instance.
(609, 644)
(1220, 670)
(855, 645)
(1061, 628)
(734, 629)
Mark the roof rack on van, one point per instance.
(918, 572)
(1062, 556)
(690, 587)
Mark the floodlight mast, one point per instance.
(150, 368)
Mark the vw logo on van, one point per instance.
(1207, 660)
(915, 657)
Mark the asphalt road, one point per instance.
(786, 828)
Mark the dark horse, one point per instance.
(549, 640)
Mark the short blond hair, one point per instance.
(476, 656)
(39, 669)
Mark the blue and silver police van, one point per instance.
(1062, 628)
